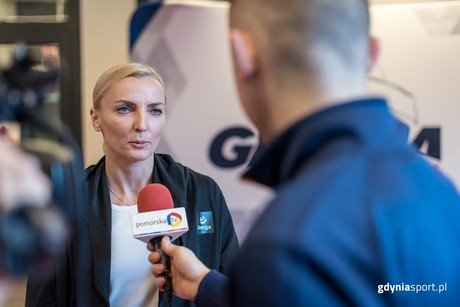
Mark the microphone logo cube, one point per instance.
(152, 224)
(174, 219)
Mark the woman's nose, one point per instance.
(140, 123)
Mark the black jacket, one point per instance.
(196, 192)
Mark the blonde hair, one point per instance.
(114, 74)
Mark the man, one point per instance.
(359, 218)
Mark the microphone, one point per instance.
(157, 217)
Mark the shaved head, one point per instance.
(302, 35)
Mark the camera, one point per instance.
(33, 238)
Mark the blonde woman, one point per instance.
(129, 109)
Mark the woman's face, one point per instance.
(131, 118)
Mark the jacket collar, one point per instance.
(368, 121)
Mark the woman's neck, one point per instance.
(126, 180)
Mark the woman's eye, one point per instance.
(123, 110)
(156, 111)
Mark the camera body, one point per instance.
(33, 238)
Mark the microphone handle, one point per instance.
(165, 260)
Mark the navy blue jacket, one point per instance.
(360, 218)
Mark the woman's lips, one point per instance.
(139, 144)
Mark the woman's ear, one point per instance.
(243, 54)
(95, 119)
(374, 52)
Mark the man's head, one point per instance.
(302, 47)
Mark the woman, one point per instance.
(129, 109)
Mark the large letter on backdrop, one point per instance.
(419, 72)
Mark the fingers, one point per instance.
(158, 270)
(150, 247)
(167, 247)
(160, 282)
(154, 257)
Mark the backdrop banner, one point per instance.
(208, 131)
(418, 71)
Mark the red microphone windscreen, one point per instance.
(154, 197)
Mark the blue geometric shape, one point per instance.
(140, 18)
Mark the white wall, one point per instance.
(104, 43)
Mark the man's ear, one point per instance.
(374, 52)
(95, 119)
(243, 54)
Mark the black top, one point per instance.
(199, 194)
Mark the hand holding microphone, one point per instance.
(176, 268)
(186, 269)
(158, 218)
